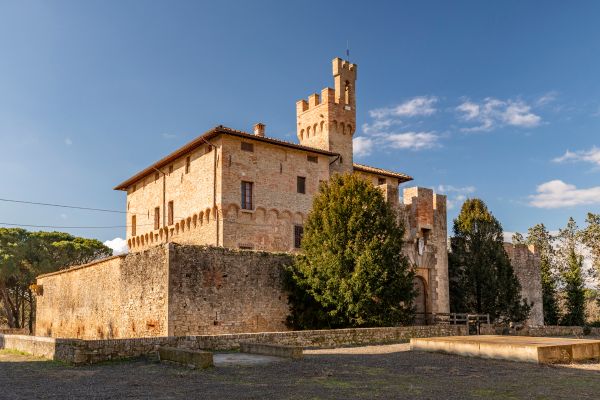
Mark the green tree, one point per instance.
(482, 280)
(24, 255)
(539, 236)
(572, 274)
(352, 271)
(591, 238)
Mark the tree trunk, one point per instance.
(9, 308)
(31, 311)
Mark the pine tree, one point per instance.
(575, 292)
(352, 271)
(482, 279)
(539, 236)
(572, 275)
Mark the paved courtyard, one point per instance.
(371, 372)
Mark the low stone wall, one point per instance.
(549, 330)
(79, 351)
(14, 331)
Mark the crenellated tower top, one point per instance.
(328, 121)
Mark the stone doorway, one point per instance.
(420, 300)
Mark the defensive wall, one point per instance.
(167, 290)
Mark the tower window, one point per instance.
(301, 184)
(381, 181)
(156, 217)
(313, 159)
(347, 93)
(133, 225)
(187, 165)
(247, 195)
(248, 146)
(170, 214)
(298, 233)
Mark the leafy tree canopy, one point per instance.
(352, 271)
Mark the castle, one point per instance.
(248, 191)
(209, 226)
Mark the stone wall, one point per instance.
(79, 351)
(215, 290)
(123, 296)
(547, 330)
(166, 290)
(526, 263)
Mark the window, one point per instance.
(248, 146)
(247, 195)
(298, 233)
(170, 169)
(301, 184)
(314, 159)
(156, 217)
(381, 181)
(133, 225)
(187, 165)
(170, 213)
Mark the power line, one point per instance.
(69, 227)
(35, 203)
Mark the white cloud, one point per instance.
(118, 245)
(493, 113)
(420, 105)
(68, 141)
(507, 236)
(450, 188)
(556, 194)
(383, 129)
(456, 195)
(592, 156)
(362, 146)
(546, 98)
(411, 140)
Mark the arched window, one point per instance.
(347, 93)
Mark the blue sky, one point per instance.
(497, 100)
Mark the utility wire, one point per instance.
(75, 207)
(69, 227)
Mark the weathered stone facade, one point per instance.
(526, 263)
(164, 291)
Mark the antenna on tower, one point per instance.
(347, 50)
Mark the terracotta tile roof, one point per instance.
(202, 139)
(400, 176)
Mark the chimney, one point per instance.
(259, 129)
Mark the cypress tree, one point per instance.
(482, 279)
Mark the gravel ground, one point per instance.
(372, 372)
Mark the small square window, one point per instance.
(248, 146)
(301, 184)
(313, 159)
(381, 181)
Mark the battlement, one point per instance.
(341, 66)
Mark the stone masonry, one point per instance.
(168, 290)
(526, 263)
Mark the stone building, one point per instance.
(248, 191)
(235, 191)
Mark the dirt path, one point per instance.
(372, 372)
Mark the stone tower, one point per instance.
(328, 121)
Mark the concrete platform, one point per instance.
(543, 350)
